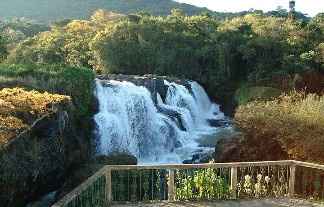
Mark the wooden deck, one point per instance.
(251, 203)
(100, 185)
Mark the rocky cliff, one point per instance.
(39, 144)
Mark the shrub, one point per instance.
(246, 94)
(295, 121)
(59, 79)
(20, 108)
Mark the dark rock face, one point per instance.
(219, 122)
(200, 157)
(240, 148)
(116, 159)
(174, 115)
(36, 162)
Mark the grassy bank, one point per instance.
(292, 124)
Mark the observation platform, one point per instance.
(287, 183)
(250, 203)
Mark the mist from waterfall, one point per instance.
(129, 121)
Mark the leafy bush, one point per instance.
(246, 94)
(295, 121)
(201, 184)
(65, 80)
(3, 49)
(20, 108)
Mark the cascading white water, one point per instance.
(129, 121)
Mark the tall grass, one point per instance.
(295, 121)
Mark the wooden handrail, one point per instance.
(201, 166)
(106, 171)
(70, 196)
(309, 165)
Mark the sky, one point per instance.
(310, 7)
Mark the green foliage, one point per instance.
(27, 27)
(296, 121)
(175, 45)
(3, 49)
(201, 184)
(247, 94)
(64, 80)
(18, 29)
(256, 48)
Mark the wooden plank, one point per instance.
(108, 186)
(234, 182)
(171, 186)
(292, 179)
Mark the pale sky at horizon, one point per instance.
(311, 7)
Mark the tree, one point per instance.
(3, 49)
(319, 56)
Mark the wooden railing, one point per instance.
(217, 181)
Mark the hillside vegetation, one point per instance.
(49, 11)
(253, 50)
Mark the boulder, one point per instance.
(220, 134)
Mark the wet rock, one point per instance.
(200, 157)
(187, 162)
(212, 140)
(178, 144)
(219, 122)
(116, 159)
(173, 114)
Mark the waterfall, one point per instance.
(130, 121)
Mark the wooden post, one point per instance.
(108, 186)
(292, 179)
(234, 182)
(171, 186)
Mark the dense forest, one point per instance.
(251, 50)
(266, 69)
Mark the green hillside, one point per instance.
(49, 10)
